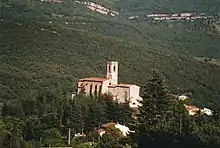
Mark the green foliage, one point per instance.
(156, 105)
(48, 125)
(86, 145)
(110, 141)
(41, 62)
(52, 137)
(169, 6)
(28, 76)
(164, 121)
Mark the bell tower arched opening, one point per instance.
(112, 72)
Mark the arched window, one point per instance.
(100, 88)
(114, 68)
(90, 88)
(109, 68)
(96, 88)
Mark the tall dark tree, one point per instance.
(155, 108)
(96, 114)
(112, 108)
(155, 104)
(126, 114)
(78, 113)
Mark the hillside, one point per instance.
(139, 7)
(44, 46)
(184, 37)
(47, 45)
(37, 57)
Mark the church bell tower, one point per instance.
(112, 72)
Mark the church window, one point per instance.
(90, 88)
(96, 88)
(114, 68)
(109, 68)
(100, 88)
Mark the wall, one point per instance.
(135, 96)
(134, 92)
(105, 86)
(87, 85)
(119, 93)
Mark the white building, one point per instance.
(109, 85)
(193, 110)
(124, 130)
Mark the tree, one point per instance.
(155, 107)
(78, 113)
(11, 131)
(126, 114)
(52, 137)
(109, 141)
(96, 114)
(112, 108)
(155, 103)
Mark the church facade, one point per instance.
(110, 85)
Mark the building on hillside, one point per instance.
(193, 110)
(124, 130)
(109, 85)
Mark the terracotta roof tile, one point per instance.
(100, 130)
(121, 85)
(189, 107)
(94, 79)
(108, 124)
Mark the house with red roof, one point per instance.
(110, 85)
(124, 130)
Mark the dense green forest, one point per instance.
(46, 47)
(45, 120)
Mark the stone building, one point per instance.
(109, 85)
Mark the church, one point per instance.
(110, 85)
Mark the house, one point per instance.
(207, 111)
(122, 128)
(193, 110)
(183, 97)
(110, 85)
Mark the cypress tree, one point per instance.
(154, 110)
(96, 115)
(155, 103)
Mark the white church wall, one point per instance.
(105, 86)
(134, 96)
(119, 93)
(134, 92)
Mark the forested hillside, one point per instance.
(169, 6)
(44, 51)
(46, 47)
(37, 56)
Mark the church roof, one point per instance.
(96, 79)
(121, 85)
